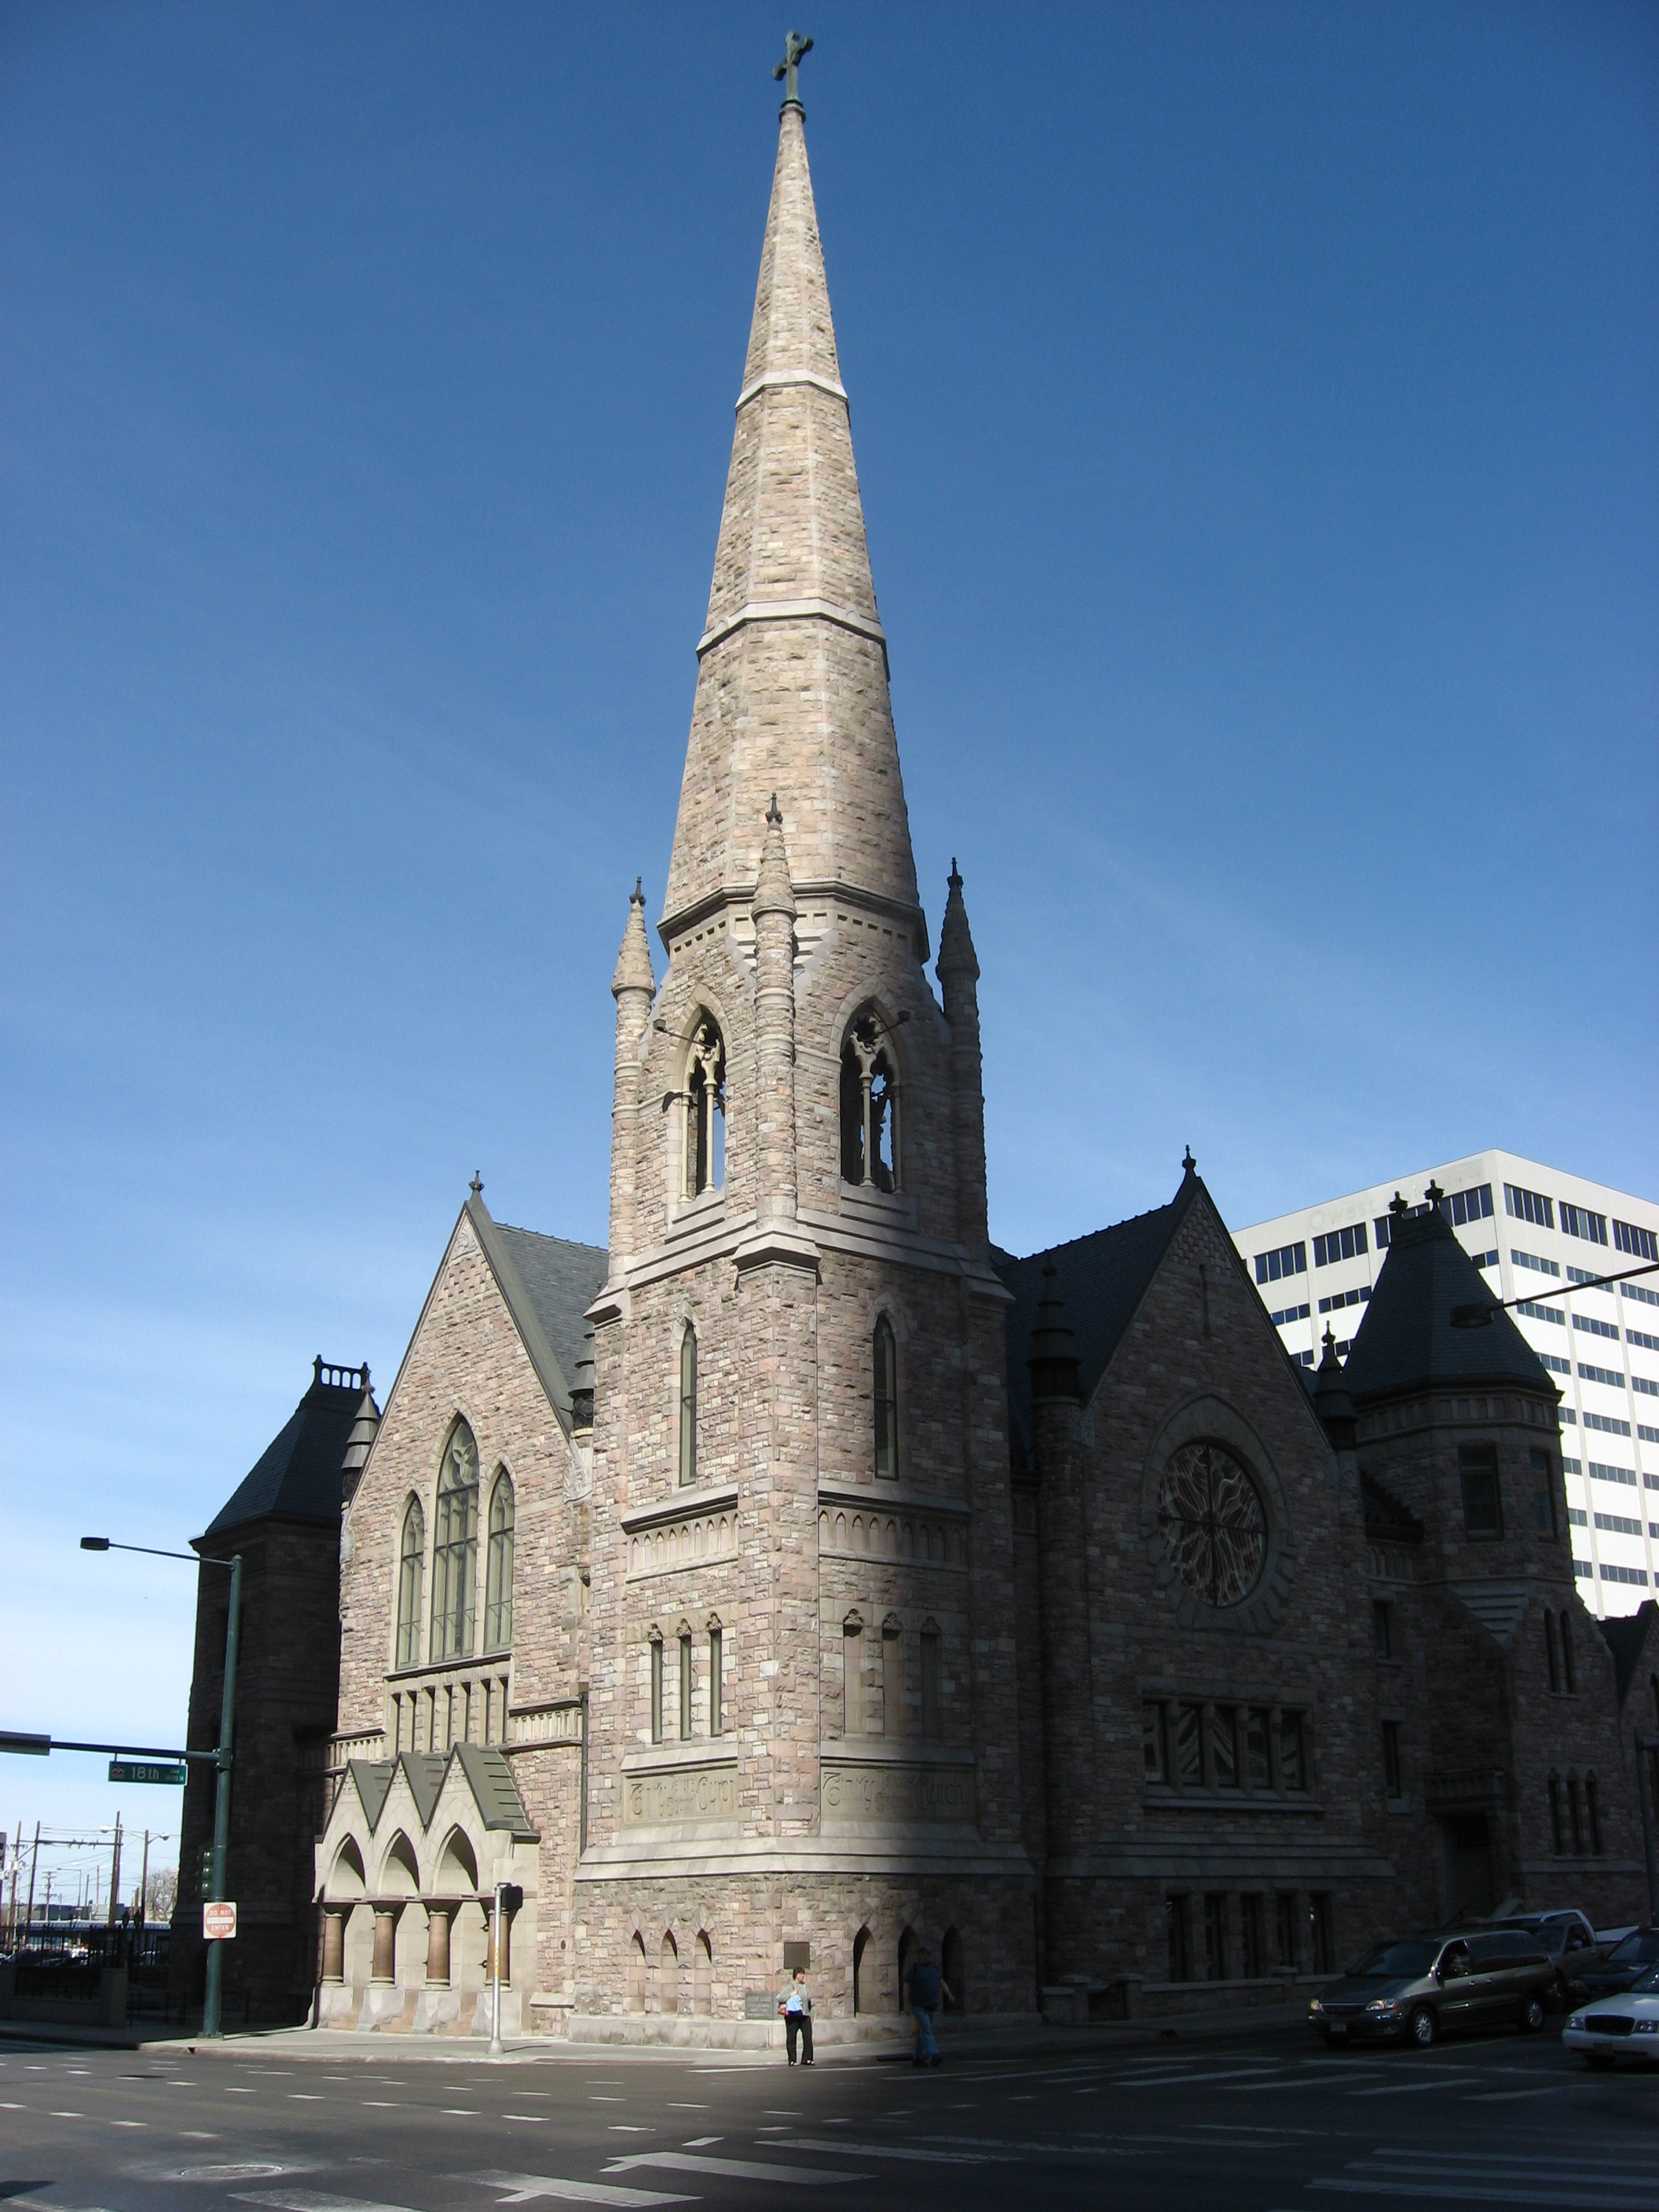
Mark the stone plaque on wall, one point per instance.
(685, 1792)
(897, 1793)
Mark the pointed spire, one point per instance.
(634, 970)
(792, 685)
(773, 893)
(958, 964)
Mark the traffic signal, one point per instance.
(511, 1897)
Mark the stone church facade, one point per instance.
(802, 1577)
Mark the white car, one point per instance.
(1625, 2027)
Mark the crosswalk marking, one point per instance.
(312, 2200)
(734, 2169)
(928, 2157)
(527, 2188)
(1457, 2189)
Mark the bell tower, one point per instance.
(802, 1722)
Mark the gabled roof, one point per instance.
(484, 1767)
(1101, 1278)
(1626, 1636)
(548, 1284)
(300, 1475)
(1407, 1340)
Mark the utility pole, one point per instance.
(33, 1863)
(213, 1995)
(115, 1875)
(142, 1913)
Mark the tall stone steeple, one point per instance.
(801, 1723)
(792, 684)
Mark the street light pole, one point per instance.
(214, 1993)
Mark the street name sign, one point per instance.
(165, 1772)
(219, 1921)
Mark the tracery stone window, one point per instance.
(885, 1362)
(869, 1108)
(411, 1572)
(705, 1112)
(498, 1573)
(688, 1406)
(1212, 1523)
(455, 1547)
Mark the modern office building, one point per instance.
(1541, 1235)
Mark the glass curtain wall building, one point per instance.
(1539, 1234)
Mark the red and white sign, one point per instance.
(219, 1921)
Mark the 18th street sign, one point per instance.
(149, 1769)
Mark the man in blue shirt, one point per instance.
(924, 1991)
(796, 2006)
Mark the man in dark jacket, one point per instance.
(924, 1992)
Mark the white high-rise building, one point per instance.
(1540, 1234)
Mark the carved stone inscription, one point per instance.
(898, 1793)
(691, 1793)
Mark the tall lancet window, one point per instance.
(411, 1567)
(498, 1575)
(705, 1112)
(886, 1397)
(689, 1405)
(869, 1108)
(455, 1548)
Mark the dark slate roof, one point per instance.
(1101, 1279)
(1626, 1636)
(489, 1776)
(486, 1771)
(373, 1779)
(1406, 1341)
(561, 1280)
(549, 1284)
(424, 1772)
(299, 1475)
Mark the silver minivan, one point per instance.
(1421, 1987)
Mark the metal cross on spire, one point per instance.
(794, 47)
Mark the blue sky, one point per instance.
(1255, 412)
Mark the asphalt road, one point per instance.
(1273, 2122)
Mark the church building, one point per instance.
(802, 1577)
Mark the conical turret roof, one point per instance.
(1408, 1341)
(792, 682)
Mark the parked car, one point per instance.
(1615, 2027)
(1419, 1988)
(1570, 1941)
(1624, 1965)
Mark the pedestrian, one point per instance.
(925, 1990)
(796, 2007)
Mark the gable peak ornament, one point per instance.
(794, 46)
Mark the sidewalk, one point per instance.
(961, 2039)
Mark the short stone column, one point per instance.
(334, 1922)
(438, 1919)
(386, 1917)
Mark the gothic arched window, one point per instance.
(411, 1567)
(885, 1362)
(689, 1405)
(455, 1547)
(705, 1112)
(498, 1574)
(869, 1108)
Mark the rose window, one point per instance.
(1210, 1519)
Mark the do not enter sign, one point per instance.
(219, 1921)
